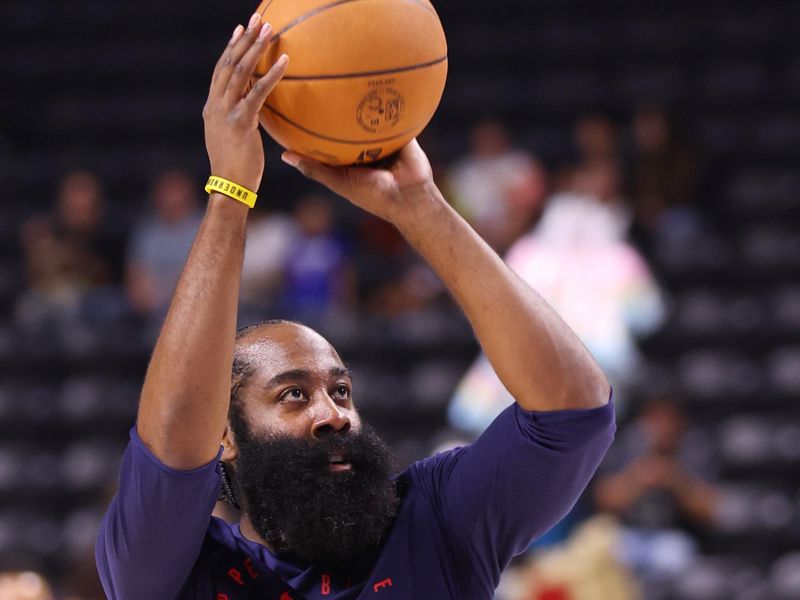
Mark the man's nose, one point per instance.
(329, 417)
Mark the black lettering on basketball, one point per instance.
(381, 82)
(323, 156)
(370, 155)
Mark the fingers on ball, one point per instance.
(264, 86)
(247, 61)
(242, 43)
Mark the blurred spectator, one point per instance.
(596, 138)
(412, 288)
(80, 580)
(270, 238)
(160, 243)
(657, 480)
(584, 567)
(393, 280)
(68, 253)
(596, 142)
(497, 188)
(83, 582)
(383, 258)
(578, 260)
(24, 586)
(663, 176)
(319, 279)
(601, 180)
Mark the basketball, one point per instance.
(364, 76)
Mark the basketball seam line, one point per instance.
(312, 13)
(425, 6)
(266, 6)
(333, 139)
(325, 7)
(366, 73)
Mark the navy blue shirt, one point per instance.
(465, 514)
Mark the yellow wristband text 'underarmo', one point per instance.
(232, 190)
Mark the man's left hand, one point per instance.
(380, 191)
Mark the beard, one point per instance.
(307, 511)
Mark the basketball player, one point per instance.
(269, 415)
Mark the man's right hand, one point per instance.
(233, 142)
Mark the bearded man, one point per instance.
(267, 415)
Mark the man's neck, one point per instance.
(249, 532)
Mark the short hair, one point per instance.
(242, 369)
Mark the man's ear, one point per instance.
(229, 449)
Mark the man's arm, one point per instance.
(519, 478)
(184, 402)
(154, 528)
(537, 357)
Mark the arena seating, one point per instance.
(119, 87)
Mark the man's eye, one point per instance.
(343, 391)
(293, 394)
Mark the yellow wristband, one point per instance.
(232, 190)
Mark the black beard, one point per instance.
(303, 509)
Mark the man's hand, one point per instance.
(233, 141)
(379, 191)
(184, 405)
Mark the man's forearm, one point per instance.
(537, 357)
(184, 403)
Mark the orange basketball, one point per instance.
(364, 76)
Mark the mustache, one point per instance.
(309, 458)
(312, 449)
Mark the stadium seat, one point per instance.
(89, 465)
(783, 370)
(784, 308)
(745, 439)
(716, 375)
(785, 577)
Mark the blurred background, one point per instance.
(636, 162)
